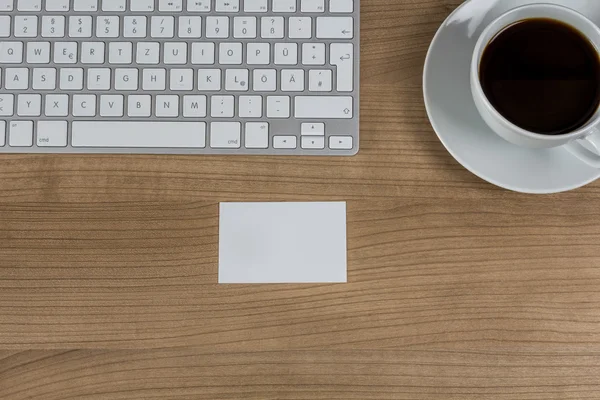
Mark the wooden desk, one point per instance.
(457, 289)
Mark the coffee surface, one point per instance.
(542, 75)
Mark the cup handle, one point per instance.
(582, 152)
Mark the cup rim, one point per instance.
(475, 62)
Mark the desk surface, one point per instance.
(457, 289)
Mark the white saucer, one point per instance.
(460, 128)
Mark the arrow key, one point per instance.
(284, 142)
(313, 142)
(313, 129)
(340, 142)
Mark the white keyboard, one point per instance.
(179, 76)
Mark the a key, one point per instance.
(278, 107)
(312, 6)
(51, 133)
(126, 79)
(227, 5)
(312, 129)
(313, 53)
(65, 52)
(225, 135)
(250, 106)
(139, 105)
(203, 53)
(182, 79)
(56, 105)
(300, 28)
(80, 26)
(154, 79)
(230, 53)
(190, 27)
(342, 56)
(286, 53)
(292, 80)
(284, 142)
(16, 78)
(209, 79)
(244, 27)
(29, 105)
(198, 5)
(255, 6)
(84, 105)
(38, 52)
(85, 5)
(341, 6)
(98, 79)
(170, 5)
(175, 53)
(92, 52)
(320, 80)
(52, 26)
(71, 79)
(271, 27)
(313, 142)
(217, 27)
(134, 27)
(57, 5)
(323, 107)
(26, 26)
(113, 5)
(5, 26)
(120, 52)
(335, 27)
(194, 106)
(167, 106)
(340, 142)
(111, 105)
(147, 53)
(6, 5)
(11, 52)
(222, 106)
(284, 6)
(29, 5)
(138, 134)
(236, 80)
(265, 80)
(256, 135)
(141, 5)
(162, 27)
(107, 26)
(2, 133)
(6, 104)
(43, 79)
(258, 54)
(20, 134)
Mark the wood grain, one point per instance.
(457, 289)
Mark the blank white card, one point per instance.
(282, 242)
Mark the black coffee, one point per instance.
(542, 75)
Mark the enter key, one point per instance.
(342, 56)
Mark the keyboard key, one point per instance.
(284, 6)
(26, 26)
(230, 53)
(43, 79)
(265, 80)
(312, 129)
(225, 135)
(120, 52)
(341, 6)
(57, 5)
(11, 52)
(134, 27)
(313, 53)
(85, 5)
(29, 5)
(320, 80)
(71, 79)
(198, 5)
(250, 107)
(194, 106)
(203, 53)
(284, 142)
(222, 106)
(209, 79)
(255, 6)
(323, 107)
(256, 135)
(4, 26)
(112, 105)
(312, 6)
(138, 134)
(278, 107)
(92, 52)
(107, 26)
(190, 27)
(335, 27)
(271, 27)
(244, 27)
(113, 5)
(29, 105)
(342, 56)
(56, 105)
(175, 53)
(286, 53)
(313, 142)
(227, 5)
(80, 26)
(16, 78)
(126, 79)
(147, 53)
(182, 79)
(292, 80)
(21, 134)
(6, 5)
(6, 104)
(258, 54)
(236, 80)
(38, 52)
(300, 28)
(340, 142)
(52, 26)
(52, 133)
(2, 133)
(167, 106)
(84, 105)
(142, 5)
(217, 27)
(162, 27)
(154, 79)
(170, 5)
(139, 105)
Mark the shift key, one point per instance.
(323, 107)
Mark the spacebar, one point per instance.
(138, 134)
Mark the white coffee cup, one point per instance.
(583, 142)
